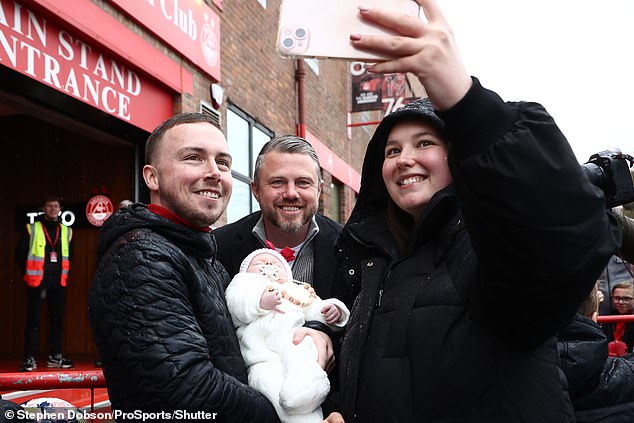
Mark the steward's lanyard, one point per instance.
(48, 237)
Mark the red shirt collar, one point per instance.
(162, 211)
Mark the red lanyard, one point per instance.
(48, 237)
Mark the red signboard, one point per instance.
(38, 48)
(190, 26)
(387, 92)
(333, 164)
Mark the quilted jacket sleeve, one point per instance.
(539, 227)
(165, 336)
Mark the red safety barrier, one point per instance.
(76, 379)
(615, 318)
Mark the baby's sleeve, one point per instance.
(243, 298)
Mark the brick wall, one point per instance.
(261, 82)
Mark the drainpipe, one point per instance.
(300, 76)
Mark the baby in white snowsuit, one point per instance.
(266, 306)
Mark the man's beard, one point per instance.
(289, 226)
(194, 216)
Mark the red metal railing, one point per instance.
(77, 379)
(615, 318)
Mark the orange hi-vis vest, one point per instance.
(35, 260)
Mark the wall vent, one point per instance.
(207, 110)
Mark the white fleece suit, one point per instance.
(287, 374)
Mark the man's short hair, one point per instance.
(623, 285)
(286, 144)
(154, 140)
(51, 197)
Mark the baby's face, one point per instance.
(269, 266)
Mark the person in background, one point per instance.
(455, 249)
(157, 304)
(617, 270)
(601, 387)
(44, 253)
(621, 334)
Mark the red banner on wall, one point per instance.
(387, 92)
(38, 48)
(190, 26)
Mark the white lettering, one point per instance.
(51, 71)
(121, 106)
(390, 103)
(104, 99)
(40, 28)
(71, 83)
(11, 52)
(124, 109)
(31, 216)
(17, 18)
(118, 73)
(183, 20)
(100, 69)
(68, 218)
(30, 56)
(85, 49)
(3, 16)
(71, 66)
(134, 83)
(192, 27)
(164, 10)
(91, 89)
(65, 48)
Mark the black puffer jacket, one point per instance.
(158, 313)
(601, 387)
(236, 241)
(461, 327)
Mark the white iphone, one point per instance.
(322, 28)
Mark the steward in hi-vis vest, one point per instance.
(44, 252)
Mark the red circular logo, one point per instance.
(98, 209)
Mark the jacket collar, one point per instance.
(373, 231)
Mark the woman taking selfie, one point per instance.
(474, 239)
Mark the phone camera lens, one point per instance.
(288, 42)
(300, 33)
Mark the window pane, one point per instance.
(313, 64)
(239, 204)
(238, 139)
(255, 206)
(336, 200)
(259, 139)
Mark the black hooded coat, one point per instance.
(461, 326)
